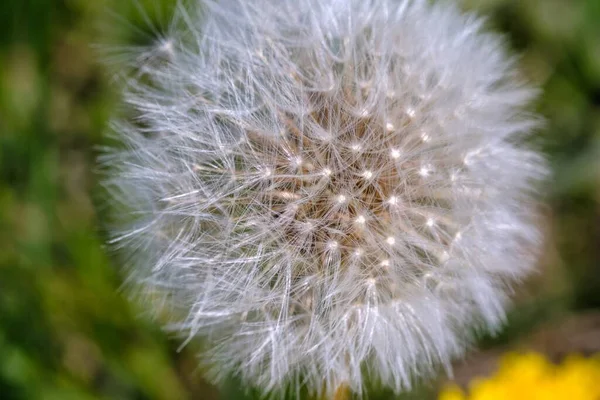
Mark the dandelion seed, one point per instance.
(425, 137)
(356, 147)
(367, 174)
(425, 170)
(395, 153)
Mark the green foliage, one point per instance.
(68, 331)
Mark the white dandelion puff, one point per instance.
(326, 189)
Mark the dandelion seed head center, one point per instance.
(346, 193)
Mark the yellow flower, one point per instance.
(531, 376)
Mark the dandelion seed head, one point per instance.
(263, 170)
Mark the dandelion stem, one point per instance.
(342, 392)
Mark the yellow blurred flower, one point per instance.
(531, 376)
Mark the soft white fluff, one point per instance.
(326, 189)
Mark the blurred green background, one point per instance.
(67, 329)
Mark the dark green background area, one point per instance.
(68, 329)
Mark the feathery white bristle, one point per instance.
(321, 186)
